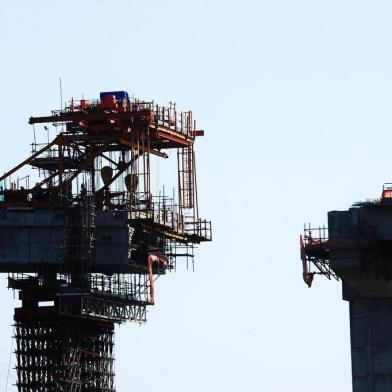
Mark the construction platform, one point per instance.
(85, 243)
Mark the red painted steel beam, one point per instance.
(160, 261)
(94, 117)
(173, 138)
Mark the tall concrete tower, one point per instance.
(356, 248)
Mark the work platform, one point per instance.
(83, 238)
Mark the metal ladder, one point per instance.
(186, 183)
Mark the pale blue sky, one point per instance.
(295, 98)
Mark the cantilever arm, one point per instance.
(39, 152)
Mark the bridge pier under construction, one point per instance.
(356, 248)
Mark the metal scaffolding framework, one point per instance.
(84, 244)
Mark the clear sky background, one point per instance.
(295, 98)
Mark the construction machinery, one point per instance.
(83, 238)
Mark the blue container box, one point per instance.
(120, 95)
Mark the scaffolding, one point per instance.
(314, 252)
(114, 237)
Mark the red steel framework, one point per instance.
(98, 166)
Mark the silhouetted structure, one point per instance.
(357, 248)
(85, 242)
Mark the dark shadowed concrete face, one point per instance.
(360, 245)
(371, 344)
(358, 250)
(360, 254)
(31, 237)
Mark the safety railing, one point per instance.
(164, 116)
(200, 229)
(131, 287)
(177, 121)
(160, 215)
(313, 252)
(315, 235)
